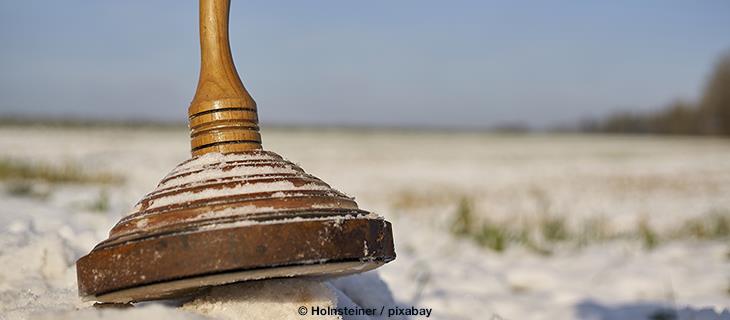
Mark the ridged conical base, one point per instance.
(224, 218)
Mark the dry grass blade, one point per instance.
(16, 170)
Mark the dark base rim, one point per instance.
(232, 249)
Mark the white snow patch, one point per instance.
(218, 158)
(239, 210)
(237, 190)
(145, 312)
(665, 179)
(141, 223)
(213, 174)
(281, 298)
(270, 299)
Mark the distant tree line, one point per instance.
(709, 116)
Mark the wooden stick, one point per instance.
(222, 115)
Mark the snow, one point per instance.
(210, 174)
(217, 158)
(237, 190)
(414, 181)
(145, 312)
(204, 170)
(281, 298)
(359, 288)
(215, 166)
(273, 299)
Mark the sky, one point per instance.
(379, 62)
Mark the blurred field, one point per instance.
(524, 226)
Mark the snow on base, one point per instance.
(365, 289)
(270, 299)
(281, 298)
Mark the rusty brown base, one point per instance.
(172, 265)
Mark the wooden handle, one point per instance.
(222, 115)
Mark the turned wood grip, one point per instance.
(222, 115)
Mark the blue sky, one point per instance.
(412, 63)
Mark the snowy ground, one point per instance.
(418, 181)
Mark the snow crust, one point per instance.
(280, 298)
(215, 158)
(666, 180)
(219, 173)
(249, 189)
(210, 168)
(272, 299)
(143, 312)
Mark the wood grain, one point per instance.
(223, 116)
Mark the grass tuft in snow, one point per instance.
(15, 170)
(544, 234)
(554, 228)
(492, 236)
(101, 203)
(715, 225)
(26, 189)
(464, 221)
(648, 236)
(484, 232)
